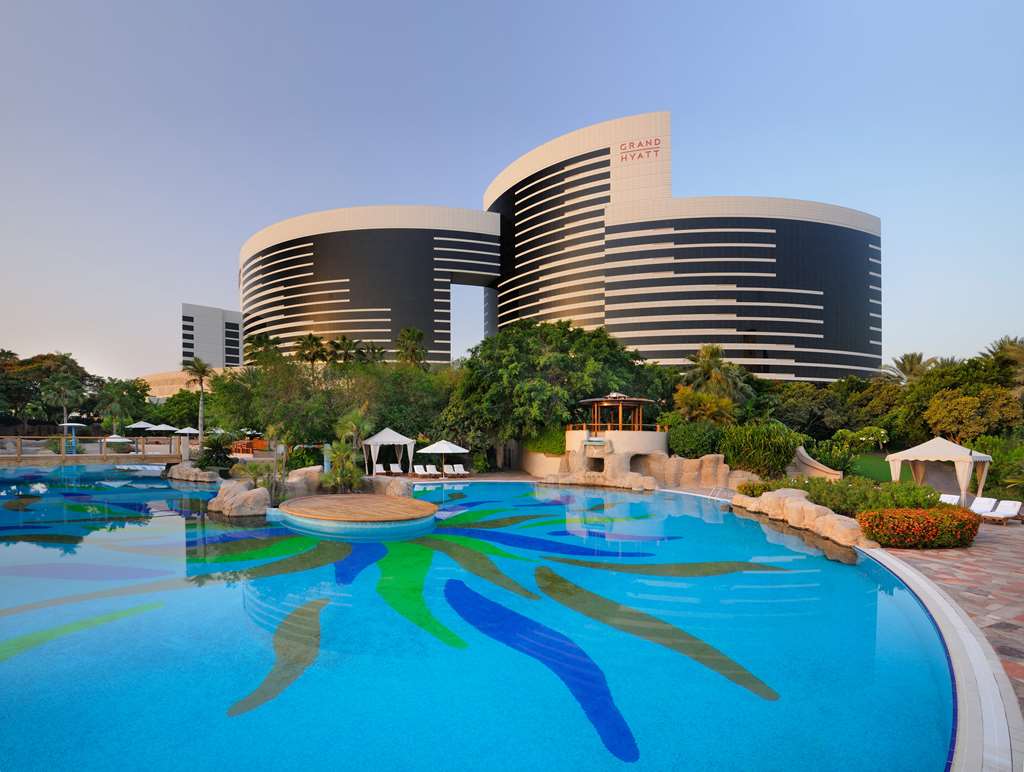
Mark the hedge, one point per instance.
(551, 441)
(852, 495)
(934, 528)
(693, 439)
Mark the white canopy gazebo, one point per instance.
(387, 437)
(940, 450)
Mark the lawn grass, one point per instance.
(875, 467)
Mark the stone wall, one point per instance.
(791, 505)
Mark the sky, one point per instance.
(142, 143)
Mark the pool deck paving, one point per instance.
(987, 581)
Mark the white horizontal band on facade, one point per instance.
(436, 218)
(558, 309)
(285, 328)
(615, 320)
(557, 275)
(466, 241)
(673, 247)
(792, 362)
(563, 170)
(875, 247)
(621, 278)
(252, 262)
(873, 260)
(266, 304)
(582, 236)
(557, 317)
(784, 347)
(591, 199)
(682, 332)
(265, 277)
(599, 279)
(670, 260)
(594, 248)
(594, 255)
(549, 301)
(463, 260)
(876, 302)
(563, 221)
(875, 329)
(641, 212)
(467, 251)
(271, 290)
(253, 321)
(704, 302)
(260, 290)
(590, 221)
(708, 288)
(281, 322)
(672, 231)
(580, 186)
(443, 279)
(570, 180)
(465, 270)
(255, 268)
(876, 275)
(877, 316)
(875, 342)
(873, 287)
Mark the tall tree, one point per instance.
(62, 390)
(199, 373)
(370, 353)
(118, 399)
(713, 374)
(310, 349)
(341, 350)
(411, 350)
(908, 367)
(1009, 350)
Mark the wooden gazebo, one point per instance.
(617, 412)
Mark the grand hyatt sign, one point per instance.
(639, 149)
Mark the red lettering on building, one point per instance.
(639, 149)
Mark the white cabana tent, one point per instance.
(444, 448)
(940, 450)
(387, 437)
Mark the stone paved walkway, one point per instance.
(987, 580)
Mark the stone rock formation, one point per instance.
(791, 505)
(188, 473)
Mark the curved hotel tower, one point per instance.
(584, 228)
(366, 273)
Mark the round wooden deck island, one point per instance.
(359, 516)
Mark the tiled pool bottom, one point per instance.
(535, 627)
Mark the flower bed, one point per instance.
(934, 528)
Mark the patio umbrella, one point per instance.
(72, 425)
(186, 430)
(140, 425)
(162, 428)
(115, 438)
(443, 447)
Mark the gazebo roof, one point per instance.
(388, 437)
(938, 449)
(616, 398)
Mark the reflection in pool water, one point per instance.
(534, 627)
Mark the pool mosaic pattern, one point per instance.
(535, 627)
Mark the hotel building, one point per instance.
(585, 228)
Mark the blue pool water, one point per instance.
(535, 628)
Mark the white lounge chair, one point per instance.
(419, 471)
(432, 471)
(396, 469)
(1006, 511)
(460, 470)
(379, 469)
(949, 498)
(983, 505)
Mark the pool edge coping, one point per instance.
(989, 726)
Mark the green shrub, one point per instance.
(303, 456)
(693, 439)
(765, 448)
(834, 454)
(852, 495)
(216, 452)
(551, 441)
(932, 528)
(480, 462)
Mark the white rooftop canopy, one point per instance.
(387, 437)
(941, 450)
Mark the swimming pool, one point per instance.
(535, 628)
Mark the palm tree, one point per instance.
(908, 367)
(115, 399)
(371, 353)
(341, 350)
(411, 350)
(353, 426)
(712, 374)
(62, 390)
(311, 349)
(260, 344)
(198, 373)
(1009, 349)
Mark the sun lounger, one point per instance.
(419, 471)
(432, 471)
(460, 470)
(379, 469)
(982, 506)
(453, 470)
(949, 498)
(396, 469)
(1006, 511)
